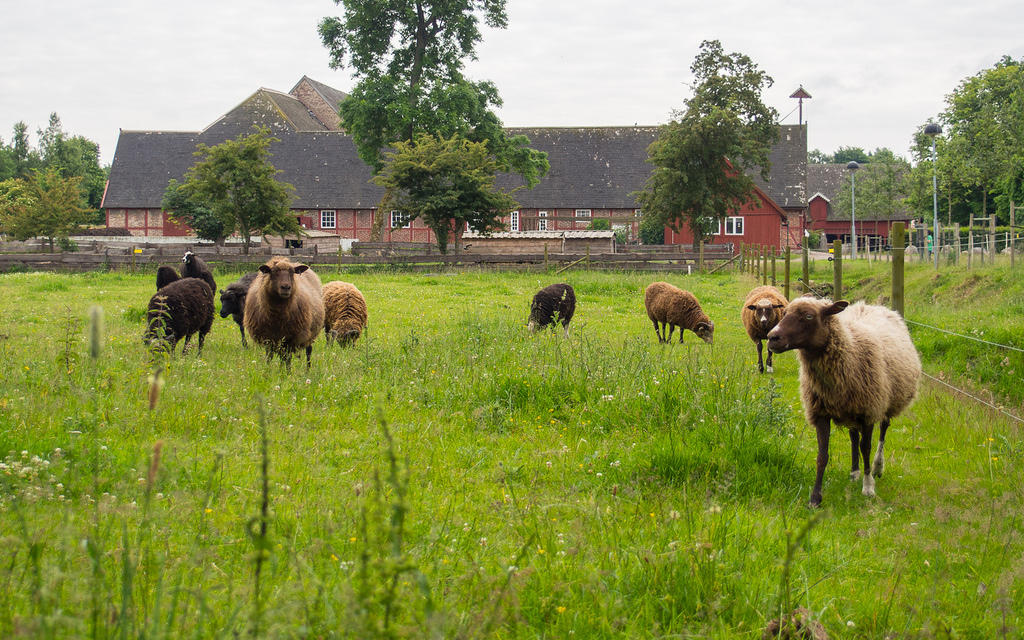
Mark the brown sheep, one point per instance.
(670, 305)
(857, 367)
(344, 312)
(761, 312)
(284, 309)
(179, 310)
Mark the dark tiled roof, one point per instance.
(825, 179)
(144, 162)
(787, 183)
(278, 111)
(598, 167)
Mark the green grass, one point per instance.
(452, 476)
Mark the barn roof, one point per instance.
(597, 167)
(825, 180)
(329, 94)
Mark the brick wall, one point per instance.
(326, 113)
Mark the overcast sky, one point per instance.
(876, 70)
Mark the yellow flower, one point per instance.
(334, 557)
(209, 510)
(560, 609)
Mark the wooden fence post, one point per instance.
(764, 264)
(700, 257)
(774, 254)
(806, 266)
(898, 242)
(786, 271)
(1013, 233)
(837, 270)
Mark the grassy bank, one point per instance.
(451, 476)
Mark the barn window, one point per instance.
(542, 222)
(734, 226)
(513, 221)
(583, 213)
(328, 219)
(399, 220)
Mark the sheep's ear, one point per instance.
(752, 307)
(299, 268)
(835, 308)
(264, 268)
(778, 306)
(221, 292)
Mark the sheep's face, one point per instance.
(803, 325)
(187, 258)
(705, 331)
(231, 301)
(766, 314)
(281, 278)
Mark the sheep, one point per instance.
(165, 275)
(554, 303)
(284, 309)
(178, 310)
(761, 311)
(344, 312)
(670, 305)
(232, 301)
(857, 367)
(196, 268)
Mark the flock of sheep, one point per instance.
(858, 365)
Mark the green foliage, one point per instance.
(880, 189)
(45, 205)
(407, 59)
(652, 230)
(201, 219)
(702, 158)
(600, 224)
(235, 182)
(449, 183)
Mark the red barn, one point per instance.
(824, 182)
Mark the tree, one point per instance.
(407, 57)
(199, 218)
(881, 188)
(449, 182)
(45, 205)
(235, 181)
(701, 159)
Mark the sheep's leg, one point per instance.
(202, 339)
(657, 330)
(566, 328)
(184, 345)
(241, 330)
(309, 356)
(879, 464)
(822, 425)
(760, 359)
(868, 488)
(854, 453)
(769, 361)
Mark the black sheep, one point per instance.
(232, 301)
(165, 275)
(178, 310)
(196, 268)
(553, 303)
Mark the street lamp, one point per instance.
(932, 130)
(852, 166)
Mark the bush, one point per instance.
(651, 231)
(600, 224)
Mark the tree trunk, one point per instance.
(245, 247)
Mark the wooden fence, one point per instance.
(148, 257)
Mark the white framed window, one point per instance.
(328, 219)
(542, 221)
(638, 213)
(399, 220)
(583, 213)
(513, 221)
(734, 226)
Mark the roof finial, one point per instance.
(800, 94)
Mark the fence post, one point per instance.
(1013, 233)
(545, 256)
(700, 257)
(898, 242)
(806, 265)
(774, 279)
(786, 272)
(587, 268)
(837, 270)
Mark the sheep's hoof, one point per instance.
(869, 486)
(771, 369)
(877, 468)
(855, 474)
(815, 501)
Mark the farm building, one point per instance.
(824, 182)
(594, 172)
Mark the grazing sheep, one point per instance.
(344, 312)
(178, 310)
(284, 309)
(554, 303)
(761, 312)
(196, 268)
(674, 307)
(857, 367)
(165, 275)
(232, 301)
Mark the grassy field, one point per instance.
(451, 476)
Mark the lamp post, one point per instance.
(852, 166)
(932, 130)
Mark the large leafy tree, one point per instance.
(881, 185)
(46, 205)
(407, 57)
(235, 181)
(200, 218)
(701, 158)
(448, 182)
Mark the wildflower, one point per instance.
(560, 609)
(673, 515)
(209, 510)
(352, 539)
(334, 557)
